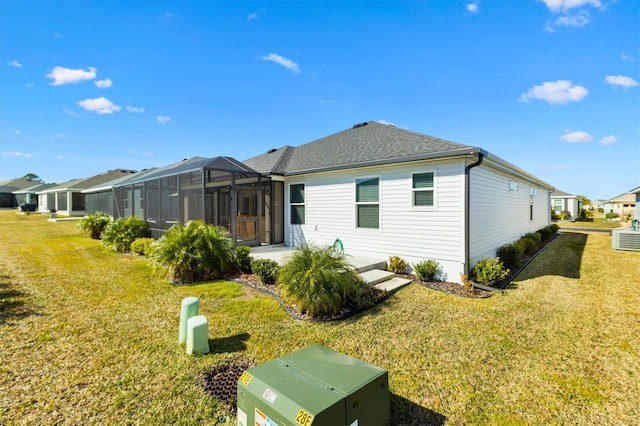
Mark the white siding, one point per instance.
(500, 216)
(414, 234)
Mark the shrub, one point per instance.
(565, 215)
(119, 235)
(195, 251)
(266, 270)
(554, 215)
(321, 283)
(396, 264)
(527, 245)
(142, 246)
(426, 270)
(243, 260)
(612, 215)
(489, 271)
(510, 255)
(94, 224)
(554, 228)
(535, 236)
(546, 233)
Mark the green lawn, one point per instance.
(90, 337)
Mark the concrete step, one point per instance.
(393, 284)
(364, 264)
(375, 276)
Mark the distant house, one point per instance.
(8, 199)
(636, 212)
(67, 198)
(376, 189)
(562, 201)
(623, 204)
(30, 195)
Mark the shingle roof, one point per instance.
(79, 184)
(365, 144)
(558, 193)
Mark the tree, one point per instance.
(585, 200)
(33, 176)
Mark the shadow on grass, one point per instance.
(562, 258)
(235, 343)
(405, 412)
(13, 303)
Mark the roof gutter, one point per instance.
(467, 206)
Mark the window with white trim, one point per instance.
(422, 189)
(513, 186)
(296, 201)
(368, 203)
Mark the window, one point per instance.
(557, 205)
(368, 203)
(513, 186)
(422, 190)
(296, 200)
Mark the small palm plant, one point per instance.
(321, 283)
(195, 251)
(94, 224)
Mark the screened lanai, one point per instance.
(220, 191)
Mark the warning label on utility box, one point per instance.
(262, 419)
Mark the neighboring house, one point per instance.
(380, 190)
(636, 212)
(623, 204)
(30, 195)
(562, 201)
(67, 198)
(8, 198)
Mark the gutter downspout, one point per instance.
(467, 207)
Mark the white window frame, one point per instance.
(292, 204)
(413, 190)
(364, 203)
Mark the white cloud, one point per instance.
(58, 35)
(473, 7)
(15, 154)
(287, 63)
(608, 140)
(99, 105)
(577, 137)
(135, 110)
(555, 167)
(626, 57)
(56, 136)
(71, 113)
(17, 132)
(578, 20)
(564, 5)
(61, 75)
(29, 85)
(163, 119)
(60, 157)
(555, 92)
(148, 154)
(620, 80)
(103, 84)
(328, 101)
(14, 64)
(255, 15)
(388, 123)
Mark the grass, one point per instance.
(598, 222)
(90, 337)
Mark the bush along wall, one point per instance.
(513, 256)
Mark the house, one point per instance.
(376, 189)
(636, 211)
(564, 202)
(102, 197)
(30, 195)
(67, 198)
(8, 199)
(386, 191)
(624, 205)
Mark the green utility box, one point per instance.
(314, 386)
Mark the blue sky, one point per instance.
(551, 86)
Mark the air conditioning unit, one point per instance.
(625, 239)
